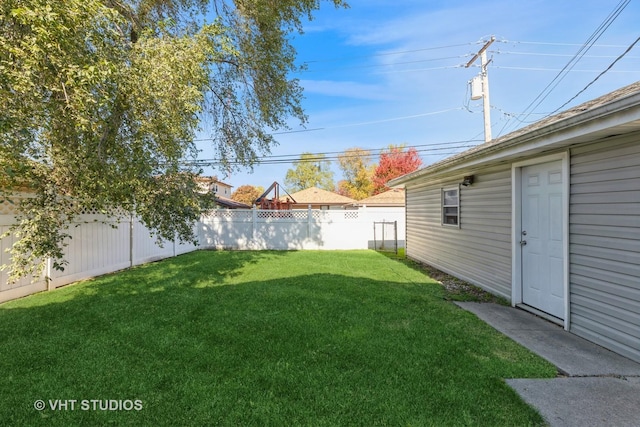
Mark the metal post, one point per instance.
(375, 243)
(395, 235)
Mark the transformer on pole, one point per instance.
(480, 87)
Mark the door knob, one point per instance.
(523, 242)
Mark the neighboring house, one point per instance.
(211, 184)
(318, 198)
(547, 217)
(390, 198)
(222, 191)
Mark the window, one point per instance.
(450, 206)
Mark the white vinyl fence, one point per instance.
(101, 245)
(296, 229)
(98, 245)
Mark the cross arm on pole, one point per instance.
(480, 52)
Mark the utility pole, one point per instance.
(486, 107)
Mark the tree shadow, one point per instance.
(256, 351)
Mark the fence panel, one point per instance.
(283, 230)
(100, 245)
(185, 247)
(345, 229)
(23, 287)
(145, 247)
(226, 229)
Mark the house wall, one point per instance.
(478, 252)
(605, 243)
(604, 237)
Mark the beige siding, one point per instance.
(605, 244)
(480, 250)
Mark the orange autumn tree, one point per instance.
(247, 194)
(394, 162)
(357, 170)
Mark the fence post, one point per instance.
(48, 277)
(175, 237)
(309, 219)
(254, 222)
(363, 217)
(131, 239)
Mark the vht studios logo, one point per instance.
(88, 405)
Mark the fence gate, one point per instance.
(385, 236)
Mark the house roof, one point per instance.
(231, 204)
(393, 197)
(609, 115)
(211, 180)
(315, 196)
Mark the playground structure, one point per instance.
(274, 203)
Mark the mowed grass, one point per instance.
(311, 338)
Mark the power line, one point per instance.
(415, 70)
(560, 44)
(558, 69)
(396, 118)
(358, 67)
(401, 52)
(585, 47)
(372, 151)
(373, 122)
(440, 148)
(598, 76)
(564, 55)
(391, 64)
(425, 49)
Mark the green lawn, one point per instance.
(259, 338)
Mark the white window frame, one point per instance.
(443, 206)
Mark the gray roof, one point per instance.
(615, 102)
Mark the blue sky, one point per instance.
(392, 72)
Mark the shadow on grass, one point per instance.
(454, 289)
(197, 345)
(208, 267)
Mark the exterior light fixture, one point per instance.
(467, 180)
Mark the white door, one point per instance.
(542, 238)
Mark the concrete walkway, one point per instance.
(598, 387)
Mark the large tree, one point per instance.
(100, 101)
(394, 162)
(357, 171)
(312, 170)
